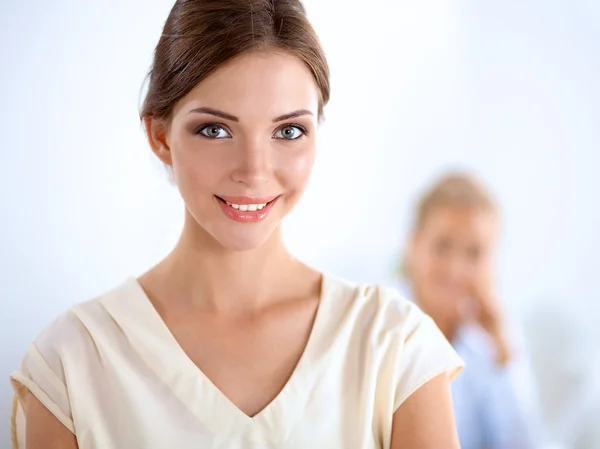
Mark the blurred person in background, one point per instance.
(448, 267)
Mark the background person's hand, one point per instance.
(487, 312)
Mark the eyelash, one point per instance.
(199, 130)
(294, 125)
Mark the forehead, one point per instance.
(267, 83)
(462, 221)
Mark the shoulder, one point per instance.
(380, 316)
(398, 347)
(68, 345)
(374, 303)
(70, 332)
(358, 295)
(63, 354)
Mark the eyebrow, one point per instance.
(216, 113)
(233, 118)
(298, 113)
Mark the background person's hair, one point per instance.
(199, 36)
(454, 189)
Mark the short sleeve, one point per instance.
(41, 374)
(423, 352)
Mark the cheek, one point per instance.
(194, 165)
(192, 173)
(436, 270)
(293, 170)
(441, 270)
(425, 269)
(431, 261)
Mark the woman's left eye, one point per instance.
(290, 132)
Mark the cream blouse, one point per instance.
(111, 371)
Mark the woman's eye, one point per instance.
(214, 132)
(290, 132)
(442, 246)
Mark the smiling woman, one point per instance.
(234, 137)
(230, 341)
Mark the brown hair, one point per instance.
(199, 36)
(455, 189)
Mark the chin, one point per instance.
(244, 241)
(241, 245)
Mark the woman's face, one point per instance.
(449, 253)
(242, 146)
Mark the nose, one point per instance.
(456, 269)
(252, 166)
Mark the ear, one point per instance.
(412, 244)
(408, 256)
(157, 133)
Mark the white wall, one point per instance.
(508, 89)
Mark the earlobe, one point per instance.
(156, 132)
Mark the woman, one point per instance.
(230, 341)
(449, 266)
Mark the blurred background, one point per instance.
(508, 90)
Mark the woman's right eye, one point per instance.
(442, 246)
(214, 131)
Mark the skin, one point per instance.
(451, 265)
(229, 289)
(43, 430)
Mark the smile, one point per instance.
(246, 209)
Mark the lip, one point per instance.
(246, 216)
(248, 199)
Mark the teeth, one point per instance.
(247, 207)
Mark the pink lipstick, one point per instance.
(246, 209)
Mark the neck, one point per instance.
(200, 273)
(448, 327)
(447, 324)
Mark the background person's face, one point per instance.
(254, 153)
(450, 252)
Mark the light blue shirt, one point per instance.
(495, 407)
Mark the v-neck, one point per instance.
(153, 340)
